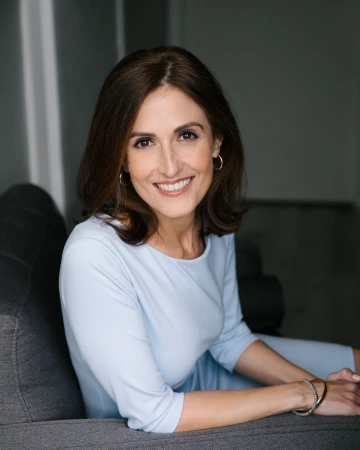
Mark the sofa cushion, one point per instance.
(37, 381)
(282, 432)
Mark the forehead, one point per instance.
(168, 106)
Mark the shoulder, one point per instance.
(222, 244)
(94, 240)
(95, 230)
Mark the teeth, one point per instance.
(174, 187)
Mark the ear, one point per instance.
(216, 146)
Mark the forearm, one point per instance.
(262, 364)
(212, 409)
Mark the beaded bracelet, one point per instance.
(302, 413)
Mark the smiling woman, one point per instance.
(163, 108)
(148, 281)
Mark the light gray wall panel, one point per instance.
(86, 51)
(288, 67)
(13, 154)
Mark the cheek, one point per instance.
(137, 167)
(201, 158)
(205, 163)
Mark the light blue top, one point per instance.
(137, 321)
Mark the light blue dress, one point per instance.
(143, 328)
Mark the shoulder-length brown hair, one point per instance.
(120, 99)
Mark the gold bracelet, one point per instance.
(324, 391)
(300, 412)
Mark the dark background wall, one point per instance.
(145, 24)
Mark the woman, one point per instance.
(148, 283)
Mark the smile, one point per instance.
(174, 188)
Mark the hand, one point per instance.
(342, 398)
(344, 374)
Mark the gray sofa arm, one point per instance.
(282, 432)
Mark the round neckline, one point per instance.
(207, 242)
(199, 258)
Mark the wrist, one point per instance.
(304, 397)
(317, 398)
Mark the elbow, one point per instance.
(159, 420)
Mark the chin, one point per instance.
(175, 213)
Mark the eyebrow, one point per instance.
(177, 130)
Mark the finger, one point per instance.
(349, 375)
(351, 392)
(332, 376)
(357, 394)
(344, 374)
(353, 399)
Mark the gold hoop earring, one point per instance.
(121, 180)
(221, 164)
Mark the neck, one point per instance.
(180, 238)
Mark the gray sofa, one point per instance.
(40, 401)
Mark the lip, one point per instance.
(174, 193)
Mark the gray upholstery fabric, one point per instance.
(36, 378)
(284, 432)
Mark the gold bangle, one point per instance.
(318, 403)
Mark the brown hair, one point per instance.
(120, 99)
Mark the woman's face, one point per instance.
(170, 153)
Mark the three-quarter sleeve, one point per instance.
(236, 335)
(106, 319)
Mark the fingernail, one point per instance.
(356, 377)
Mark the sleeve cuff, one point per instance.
(236, 350)
(172, 418)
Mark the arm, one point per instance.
(209, 409)
(237, 350)
(108, 325)
(261, 363)
(106, 319)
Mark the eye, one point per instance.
(189, 136)
(139, 144)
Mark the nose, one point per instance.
(169, 164)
